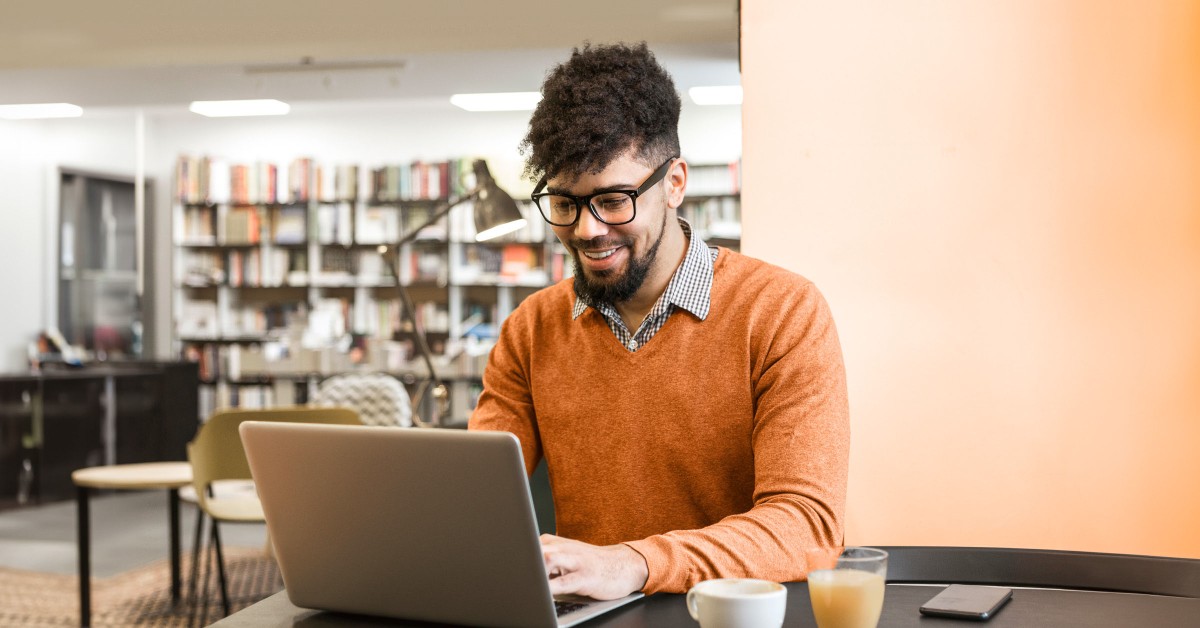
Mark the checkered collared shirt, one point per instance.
(690, 289)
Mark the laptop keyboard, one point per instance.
(562, 608)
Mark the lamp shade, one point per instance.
(496, 212)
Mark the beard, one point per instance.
(607, 286)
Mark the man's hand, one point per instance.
(600, 572)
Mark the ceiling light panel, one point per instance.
(716, 95)
(502, 101)
(238, 108)
(40, 111)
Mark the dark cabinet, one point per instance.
(72, 428)
(139, 418)
(143, 400)
(54, 423)
(17, 399)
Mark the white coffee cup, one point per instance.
(737, 603)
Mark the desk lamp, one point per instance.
(496, 214)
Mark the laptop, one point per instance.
(429, 525)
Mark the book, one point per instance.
(428, 265)
(372, 269)
(216, 181)
(414, 217)
(289, 224)
(300, 172)
(516, 261)
(242, 225)
(335, 224)
(379, 224)
(198, 319)
(198, 226)
(346, 182)
(203, 268)
(337, 265)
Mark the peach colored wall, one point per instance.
(1001, 201)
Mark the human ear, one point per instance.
(676, 183)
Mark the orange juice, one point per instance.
(846, 598)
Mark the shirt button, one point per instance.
(633, 345)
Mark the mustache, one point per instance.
(599, 243)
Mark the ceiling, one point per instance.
(131, 53)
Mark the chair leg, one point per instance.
(221, 568)
(194, 584)
(197, 542)
(205, 577)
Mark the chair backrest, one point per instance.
(379, 398)
(217, 454)
(1122, 573)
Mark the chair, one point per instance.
(1119, 573)
(216, 455)
(379, 398)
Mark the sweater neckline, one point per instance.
(611, 343)
(662, 336)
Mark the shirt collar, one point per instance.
(690, 287)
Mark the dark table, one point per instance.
(1028, 608)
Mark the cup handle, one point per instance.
(691, 604)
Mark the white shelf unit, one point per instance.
(275, 276)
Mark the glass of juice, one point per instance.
(846, 588)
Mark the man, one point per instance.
(690, 402)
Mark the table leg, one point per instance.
(175, 578)
(85, 557)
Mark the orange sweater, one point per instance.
(719, 449)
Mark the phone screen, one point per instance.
(967, 601)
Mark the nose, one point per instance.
(588, 226)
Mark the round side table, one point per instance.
(148, 475)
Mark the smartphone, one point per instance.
(964, 601)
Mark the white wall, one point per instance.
(31, 155)
(22, 241)
(364, 133)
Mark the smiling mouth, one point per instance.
(598, 254)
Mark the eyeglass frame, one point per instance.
(586, 200)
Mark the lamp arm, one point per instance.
(438, 215)
(409, 310)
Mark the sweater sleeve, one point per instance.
(506, 403)
(800, 442)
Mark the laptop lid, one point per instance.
(433, 525)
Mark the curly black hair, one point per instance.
(603, 101)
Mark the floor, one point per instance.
(129, 529)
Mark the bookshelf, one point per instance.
(280, 280)
(713, 203)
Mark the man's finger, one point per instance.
(558, 561)
(566, 584)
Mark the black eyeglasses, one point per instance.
(614, 207)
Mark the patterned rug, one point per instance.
(141, 597)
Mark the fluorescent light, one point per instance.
(716, 95)
(502, 101)
(44, 110)
(234, 108)
(500, 230)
